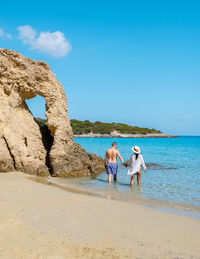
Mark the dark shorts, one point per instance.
(112, 168)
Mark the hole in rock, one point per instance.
(36, 106)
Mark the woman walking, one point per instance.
(136, 163)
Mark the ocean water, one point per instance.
(173, 177)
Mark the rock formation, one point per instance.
(24, 146)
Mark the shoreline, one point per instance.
(119, 135)
(165, 205)
(43, 221)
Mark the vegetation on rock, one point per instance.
(85, 127)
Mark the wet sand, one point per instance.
(43, 221)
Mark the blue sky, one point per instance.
(136, 62)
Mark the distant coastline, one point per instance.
(119, 135)
(87, 129)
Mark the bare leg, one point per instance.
(115, 178)
(139, 177)
(132, 180)
(109, 178)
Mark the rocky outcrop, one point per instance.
(24, 146)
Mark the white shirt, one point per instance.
(135, 165)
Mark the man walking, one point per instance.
(111, 162)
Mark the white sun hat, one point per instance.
(136, 149)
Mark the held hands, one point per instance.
(145, 170)
(125, 164)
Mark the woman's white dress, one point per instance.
(135, 165)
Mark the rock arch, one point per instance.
(21, 142)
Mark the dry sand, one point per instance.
(42, 221)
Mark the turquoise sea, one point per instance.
(172, 179)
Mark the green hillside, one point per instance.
(85, 127)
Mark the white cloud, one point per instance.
(5, 35)
(53, 43)
(27, 34)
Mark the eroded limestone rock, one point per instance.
(22, 144)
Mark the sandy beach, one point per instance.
(42, 221)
